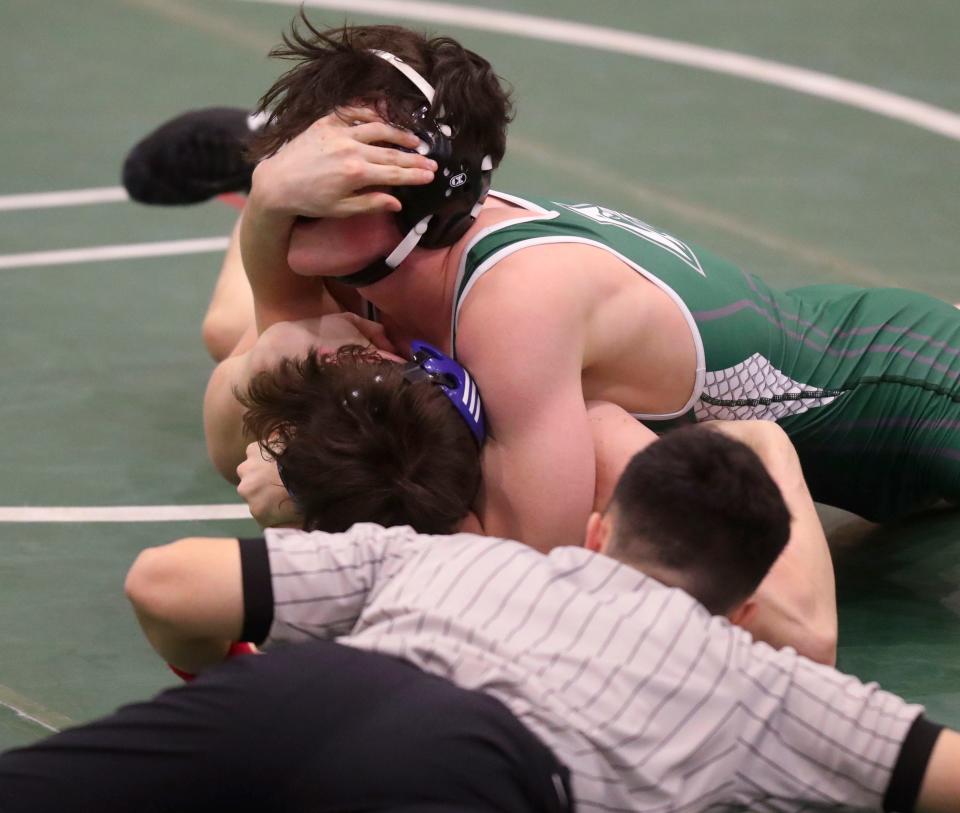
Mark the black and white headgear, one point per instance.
(438, 213)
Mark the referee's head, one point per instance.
(697, 510)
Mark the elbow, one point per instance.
(819, 643)
(223, 461)
(223, 420)
(782, 617)
(817, 640)
(153, 584)
(815, 630)
(220, 333)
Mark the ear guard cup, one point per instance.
(454, 196)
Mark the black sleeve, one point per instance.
(908, 773)
(257, 590)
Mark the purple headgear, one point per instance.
(453, 379)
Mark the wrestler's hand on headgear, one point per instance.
(338, 166)
(261, 488)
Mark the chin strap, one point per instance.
(374, 272)
(379, 269)
(408, 243)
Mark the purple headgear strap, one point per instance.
(453, 379)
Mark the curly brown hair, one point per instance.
(335, 68)
(358, 443)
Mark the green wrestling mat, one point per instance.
(102, 366)
(899, 601)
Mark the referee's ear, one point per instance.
(743, 613)
(597, 536)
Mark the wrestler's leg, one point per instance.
(884, 443)
(230, 312)
(882, 451)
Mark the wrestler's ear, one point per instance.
(598, 533)
(744, 613)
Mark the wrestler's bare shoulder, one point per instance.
(637, 349)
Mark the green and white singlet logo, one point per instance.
(611, 217)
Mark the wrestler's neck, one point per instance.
(417, 299)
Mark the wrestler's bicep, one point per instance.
(539, 465)
(539, 475)
(617, 437)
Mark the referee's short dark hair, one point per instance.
(700, 505)
(357, 443)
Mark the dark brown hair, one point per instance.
(357, 443)
(335, 68)
(702, 505)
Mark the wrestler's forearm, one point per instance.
(797, 600)
(278, 293)
(223, 416)
(808, 562)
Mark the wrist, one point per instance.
(236, 649)
(266, 192)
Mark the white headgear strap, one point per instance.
(412, 238)
(422, 84)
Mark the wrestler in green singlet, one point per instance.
(864, 381)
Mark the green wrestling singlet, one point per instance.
(864, 381)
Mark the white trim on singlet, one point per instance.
(523, 202)
(506, 251)
(543, 214)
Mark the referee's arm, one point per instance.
(188, 598)
(940, 789)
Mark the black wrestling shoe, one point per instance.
(191, 158)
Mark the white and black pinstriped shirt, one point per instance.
(654, 704)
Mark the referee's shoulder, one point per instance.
(406, 536)
(434, 546)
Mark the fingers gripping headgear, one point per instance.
(439, 213)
